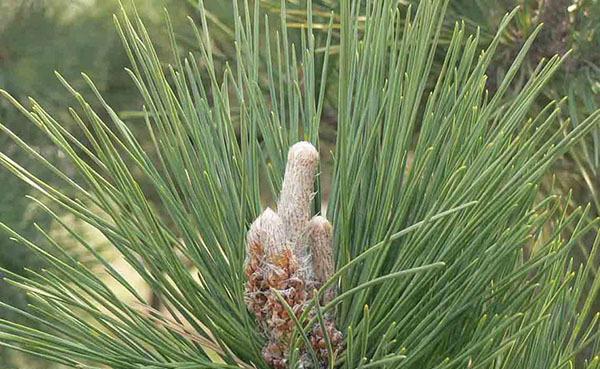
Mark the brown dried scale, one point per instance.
(319, 341)
(292, 254)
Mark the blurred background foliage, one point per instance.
(38, 37)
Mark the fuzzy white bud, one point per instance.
(319, 235)
(297, 190)
(267, 231)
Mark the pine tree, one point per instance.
(442, 255)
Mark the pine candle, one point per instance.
(291, 253)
